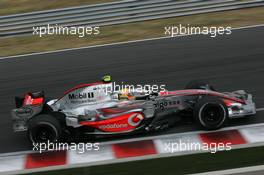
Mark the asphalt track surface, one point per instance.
(228, 62)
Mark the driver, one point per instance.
(124, 94)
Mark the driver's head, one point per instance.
(107, 79)
(125, 95)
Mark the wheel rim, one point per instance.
(44, 133)
(213, 115)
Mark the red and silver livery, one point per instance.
(91, 109)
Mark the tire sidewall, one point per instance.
(201, 106)
(47, 121)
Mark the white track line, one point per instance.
(113, 44)
(260, 109)
(235, 171)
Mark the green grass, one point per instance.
(195, 163)
(128, 32)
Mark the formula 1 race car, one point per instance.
(88, 109)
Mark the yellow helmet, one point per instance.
(106, 78)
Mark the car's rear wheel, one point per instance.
(210, 113)
(44, 128)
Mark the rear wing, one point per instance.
(26, 107)
(31, 98)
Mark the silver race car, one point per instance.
(91, 109)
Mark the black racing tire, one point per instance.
(44, 128)
(199, 85)
(210, 113)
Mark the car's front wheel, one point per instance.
(44, 128)
(210, 113)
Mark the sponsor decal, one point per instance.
(82, 101)
(135, 119)
(81, 96)
(120, 123)
(110, 126)
(164, 104)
